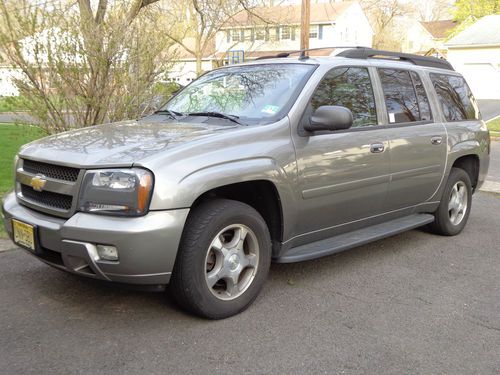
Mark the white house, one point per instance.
(183, 70)
(8, 74)
(273, 29)
(425, 37)
(475, 52)
(269, 30)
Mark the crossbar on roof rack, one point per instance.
(367, 53)
(303, 52)
(360, 52)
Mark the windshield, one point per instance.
(254, 94)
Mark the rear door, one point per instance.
(417, 142)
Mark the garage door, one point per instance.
(484, 80)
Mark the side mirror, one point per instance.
(330, 117)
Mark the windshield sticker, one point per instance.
(270, 109)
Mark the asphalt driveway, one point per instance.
(414, 303)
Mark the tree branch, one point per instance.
(85, 10)
(136, 7)
(101, 11)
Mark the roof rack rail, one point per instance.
(367, 53)
(303, 52)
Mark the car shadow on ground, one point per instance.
(84, 296)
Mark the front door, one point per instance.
(343, 175)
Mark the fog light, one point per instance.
(107, 252)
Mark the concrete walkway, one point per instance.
(8, 117)
(6, 245)
(492, 183)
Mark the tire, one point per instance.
(221, 240)
(446, 223)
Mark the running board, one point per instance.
(356, 238)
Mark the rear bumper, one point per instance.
(147, 246)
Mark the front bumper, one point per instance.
(147, 246)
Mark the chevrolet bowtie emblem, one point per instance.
(38, 182)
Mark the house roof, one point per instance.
(439, 29)
(289, 14)
(485, 32)
(181, 53)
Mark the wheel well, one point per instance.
(261, 195)
(470, 164)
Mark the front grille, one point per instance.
(47, 198)
(57, 172)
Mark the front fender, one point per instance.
(190, 187)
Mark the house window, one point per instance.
(248, 34)
(236, 35)
(313, 32)
(260, 34)
(286, 32)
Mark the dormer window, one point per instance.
(313, 32)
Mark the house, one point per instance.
(183, 70)
(475, 52)
(8, 75)
(425, 38)
(273, 29)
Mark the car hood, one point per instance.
(117, 144)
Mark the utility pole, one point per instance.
(305, 16)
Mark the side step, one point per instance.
(356, 238)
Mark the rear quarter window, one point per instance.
(457, 101)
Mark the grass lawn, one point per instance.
(11, 138)
(494, 126)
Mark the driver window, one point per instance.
(349, 87)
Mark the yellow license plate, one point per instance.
(24, 234)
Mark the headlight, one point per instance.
(116, 191)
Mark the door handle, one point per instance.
(436, 140)
(377, 148)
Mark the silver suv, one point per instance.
(284, 159)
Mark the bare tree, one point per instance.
(434, 10)
(84, 62)
(382, 14)
(201, 20)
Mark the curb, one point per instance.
(491, 187)
(6, 245)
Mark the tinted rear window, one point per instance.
(423, 101)
(456, 99)
(405, 96)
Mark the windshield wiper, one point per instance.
(172, 114)
(232, 118)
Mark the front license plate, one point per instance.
(24, 234)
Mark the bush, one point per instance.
(12, 104)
